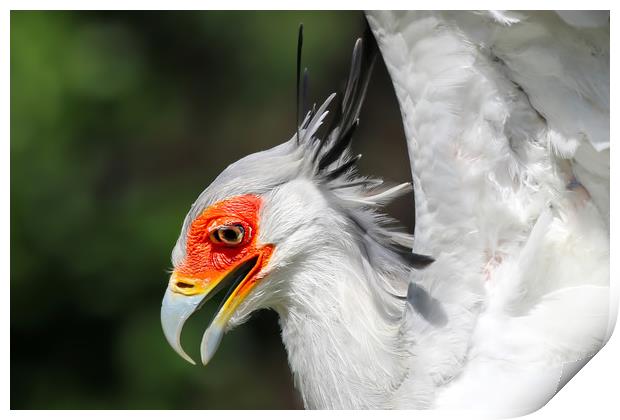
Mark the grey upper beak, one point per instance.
(175, 309)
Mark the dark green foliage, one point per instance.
(118, 121)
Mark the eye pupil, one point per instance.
(229, 235)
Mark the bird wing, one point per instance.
(506, 116)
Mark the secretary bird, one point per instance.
(504, 293)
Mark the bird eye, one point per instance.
(228, 235)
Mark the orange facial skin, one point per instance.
(206, 263)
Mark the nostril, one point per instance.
(183, 285)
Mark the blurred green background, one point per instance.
(118, 121)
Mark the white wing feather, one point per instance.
(507, 123)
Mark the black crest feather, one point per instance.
(346, 114)
(331, 159)
(298, 104)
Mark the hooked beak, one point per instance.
(185, 295)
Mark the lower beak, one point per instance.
(184, 296)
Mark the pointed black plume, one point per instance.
(331, 160)
(346, 116)
(300, 41)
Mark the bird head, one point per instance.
(265, 214)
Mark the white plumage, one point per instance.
(507, 122)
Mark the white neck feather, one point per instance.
(342, 348)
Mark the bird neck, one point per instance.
(344, 349)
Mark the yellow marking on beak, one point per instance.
(213, 335)
(185, 295)
(190, 286)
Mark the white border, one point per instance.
(592, 394)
